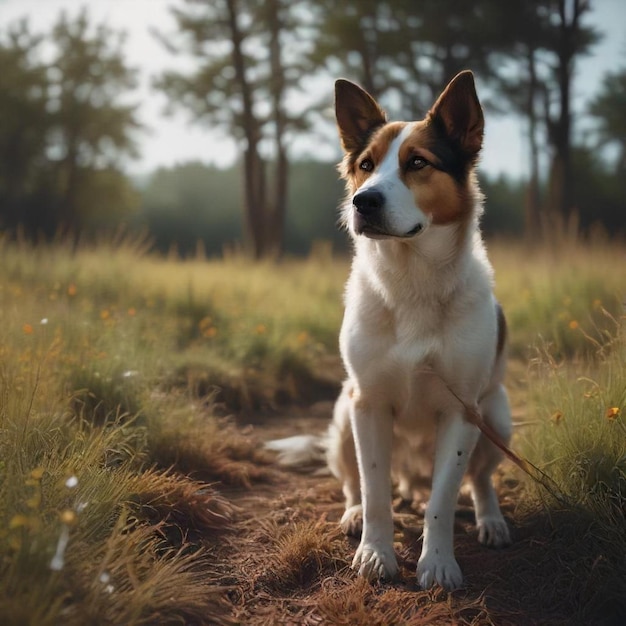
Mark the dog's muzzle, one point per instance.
(369, 216)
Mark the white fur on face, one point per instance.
(401, 215)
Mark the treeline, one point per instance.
(69, 118)
(65, 128)
(195, 207)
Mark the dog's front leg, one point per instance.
(456, 439)
(372, 427)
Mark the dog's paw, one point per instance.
(352, 521)
(439, 571)
(374, 562)
(493, 532)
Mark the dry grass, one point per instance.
(116, 371)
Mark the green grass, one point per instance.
(115, 366)
(565, 298)
(578, 438)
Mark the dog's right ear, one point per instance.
(357, 113)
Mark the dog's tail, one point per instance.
(301, 452)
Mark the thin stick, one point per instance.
(473, 416)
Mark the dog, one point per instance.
(423, 337)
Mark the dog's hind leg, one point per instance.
(341, 459)
(492, 528)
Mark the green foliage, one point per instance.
(191, 204)
(64, 128)
(607, 107)
(504, 206)
(194, 204)
(600, 194)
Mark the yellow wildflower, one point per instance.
(612, 413)
(18, 521)
(37, 473)
(68, 517)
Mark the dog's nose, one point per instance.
(368, 202)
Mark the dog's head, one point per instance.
(403, 176)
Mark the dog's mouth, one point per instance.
(373, 231)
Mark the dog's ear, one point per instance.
(357, 113)
(459, 114)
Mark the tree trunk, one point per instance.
(561, 199)
(254, 170)
(276, 223)
(532, 200)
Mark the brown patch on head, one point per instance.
(438, 192)
(375, 150)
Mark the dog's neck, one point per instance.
(430, 266)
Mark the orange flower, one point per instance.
(557, 417)
(71, 290)
(132, 312)
(612, 413)
(28, 329)
(204, 324)
(573, 325)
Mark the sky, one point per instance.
(174, 139)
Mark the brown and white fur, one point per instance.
(421, 326)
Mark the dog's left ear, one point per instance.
(459, 114)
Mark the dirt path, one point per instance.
(288, 563)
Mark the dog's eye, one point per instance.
(416, 163)
(367, 165)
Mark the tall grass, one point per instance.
(579, 440)
(114, 365)
(560, 296)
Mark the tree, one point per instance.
(609, 108)
(535, 73)
(24, 122)
(405, 52)
(569, 39)
(63, 129)
(248, 54)
(91, 129)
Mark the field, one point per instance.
(135, 396)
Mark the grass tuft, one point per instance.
(301, 555)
